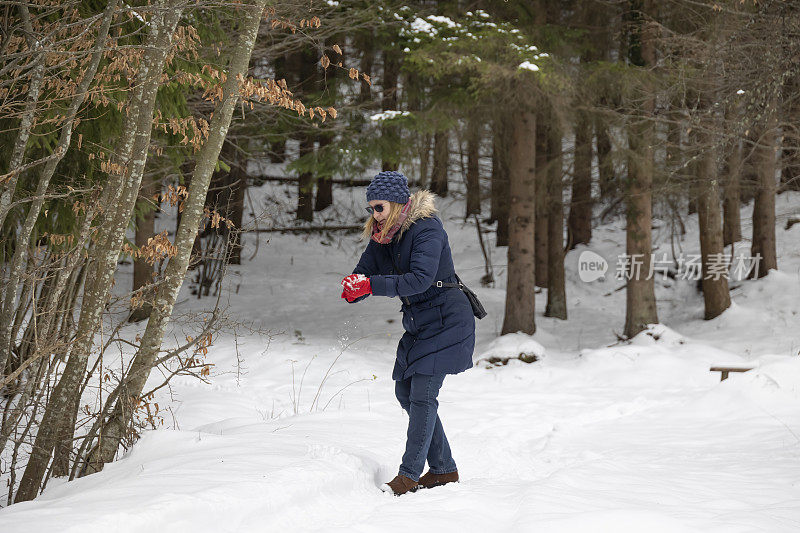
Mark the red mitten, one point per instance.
(347, 280)
(345, 287)
(355, 286)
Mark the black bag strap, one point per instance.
(477, 307)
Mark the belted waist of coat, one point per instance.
(437, 287)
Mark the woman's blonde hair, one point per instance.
(391, 220)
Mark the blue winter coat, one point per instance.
(439, 325)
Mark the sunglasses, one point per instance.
(378, 208)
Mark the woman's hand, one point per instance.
(354, 286)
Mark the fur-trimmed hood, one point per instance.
(422, 206)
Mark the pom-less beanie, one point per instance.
(389, 185)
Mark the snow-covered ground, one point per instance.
(296, 432)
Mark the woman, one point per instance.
(408, 255)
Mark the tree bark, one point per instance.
(790, 157)
(235, 211)
(763, 243)
(543, 160)
(305, 186)
(424, 160)
(473, 168)
(324, 197)
(605, 161)
(521, 282)
(142, 270)
(134, 382)
(389, 100)
(556, 291)
(640, 299)
(441, 159)
(305, 64)
(715, 283)
(579, 223)
(732, 228)
(500, 177)
(366, 43)
(324, 183)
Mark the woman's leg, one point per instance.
(440, 458)
(402, 390)
(422, 407)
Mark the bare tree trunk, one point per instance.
(366, 43)
(790, 157)
(441, 159)
(521, 283)
(543, 123)
(304, 64)
(324, 196)
(142, 270)
(324, 184)
(748, 183)
(305, 185)
(605, 161)
(715, 282)
(238, 186)
(424, 160)
(579, 223)
(640, 301)
(764, 207)
(391, 72)
(556, 291)
(473, 168)
(732, 228)
(500, 176)
(119, 203)
(133, 384)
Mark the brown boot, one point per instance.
(400, 485)
(431, 480)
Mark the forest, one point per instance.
(159, 157)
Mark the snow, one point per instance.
(388, 115)
(596, 435)
(527, 65)
(446, 21)
(513, 344)
(420, 25)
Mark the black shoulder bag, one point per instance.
(477, 307)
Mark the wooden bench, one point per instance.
(725, 370)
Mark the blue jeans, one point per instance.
(425, 438)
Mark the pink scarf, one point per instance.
(377, 227)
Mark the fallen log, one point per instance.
(293, 179)
(306, 229)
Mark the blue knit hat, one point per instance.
(389, 185)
